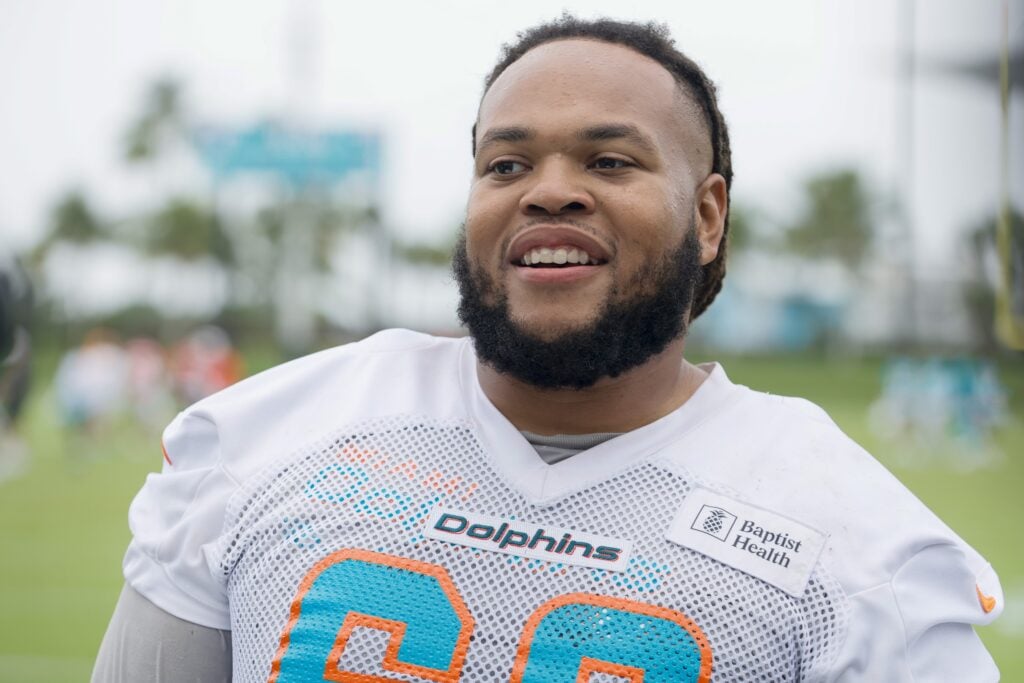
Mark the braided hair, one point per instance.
(652, 40)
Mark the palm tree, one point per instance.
(837, 220)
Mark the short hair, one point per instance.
(652, 40)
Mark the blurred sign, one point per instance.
(299, 157)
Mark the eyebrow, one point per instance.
(510, 134)
(617, 131)
(609, 131)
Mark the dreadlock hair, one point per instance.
(652, 40)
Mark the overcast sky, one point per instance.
(805, 85)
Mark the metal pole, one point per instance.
(1009, 322)
(908, 320)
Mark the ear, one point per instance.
(711, 203)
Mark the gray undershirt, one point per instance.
(145, 644)
(559, 447)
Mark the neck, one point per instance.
(620, 404)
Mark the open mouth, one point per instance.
(558, 257)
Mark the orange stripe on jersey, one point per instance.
(590, 666)
(988, 603)
(166, 457)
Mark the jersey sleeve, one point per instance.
(175, 521)
(919, 627)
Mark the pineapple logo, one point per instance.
(714, 521)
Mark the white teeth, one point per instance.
(557, 256)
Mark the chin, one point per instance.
(552, 327)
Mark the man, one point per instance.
(561, 495)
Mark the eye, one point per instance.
(610, 163)
(506, 167)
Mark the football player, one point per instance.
(561, 495)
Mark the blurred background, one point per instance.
(191, 192)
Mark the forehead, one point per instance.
(576, 83)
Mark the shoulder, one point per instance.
(390, 352)
(267, 416)
(913, 586)
(787, 455)
(342, 358)
(214, 448)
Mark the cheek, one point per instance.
(651, 224)
(487, 221)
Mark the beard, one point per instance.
(626, 333)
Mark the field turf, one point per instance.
(63, 520)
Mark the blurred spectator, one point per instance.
(15, 363)
(203, 363)
(148, 382)
(91, 382)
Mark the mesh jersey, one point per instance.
(294, 508)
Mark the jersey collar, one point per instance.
(542, 484)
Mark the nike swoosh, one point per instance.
(988, 603)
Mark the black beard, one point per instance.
(626, 333)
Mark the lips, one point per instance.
(556, 246)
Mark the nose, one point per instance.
(556, 188)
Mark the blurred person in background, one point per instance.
(203, 363)
(148, 382)
(561, 494)
(941, 411)
(15, 362)
(91, 383)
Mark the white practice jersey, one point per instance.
(366, 514)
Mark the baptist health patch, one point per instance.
(516, 537)
(764, 544)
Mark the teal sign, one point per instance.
(298, 157)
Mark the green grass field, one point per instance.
(64, 526)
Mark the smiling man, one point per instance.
(560, 496)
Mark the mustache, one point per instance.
(555, 221)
